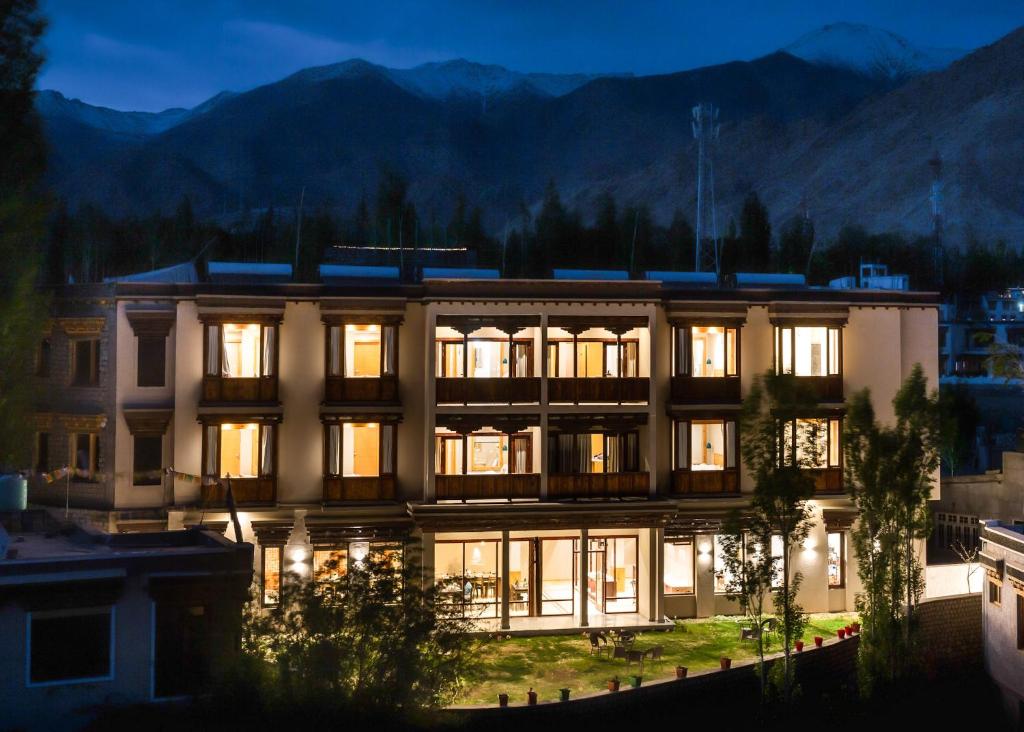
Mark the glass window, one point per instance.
(707, 449)
(836, 559)
(43, 358)
(777, 565)
(723, 577)
(469, 577)
(42, 455)
(86, 362)
(707, 351)
(995, 592)
(808, 351)
(70, 645)
(812, 445)
(147, 460)
(620, 573)
(448, 457)
(362, 350)
(152, 360)
(239, 450)
(241, 350)
(450, 361)
(360, 449)
(86, 455)
(558, 576)
(488, 359)
(679, 567)
(330, 565)
(271, 578)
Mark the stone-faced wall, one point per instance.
(950, 633)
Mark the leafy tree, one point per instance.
(23, 211)
(795, 244)
(960, 419)
(890, 471)
(680, 244)
(755, 239)
(370, 642)
(606, 234)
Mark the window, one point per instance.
(1020, 621)
(85, 456)
(778, 566)
(706, 351)
(836, 559)
(723, 577)
(594, 358)
(361, 350)
(43, 358)
(41, 463)
(995, 592)
(271, 576)
(489, 358)
(679, 566)
(816, 441)
(181, 642)
(360, 449)
(152, 360)
(808, 351)
(239, 450)
(712, 445)
(70, 646)
(147, 460)
(594, 452)
(85, 362)
(469, 576)
(483, 453)
(241, 350)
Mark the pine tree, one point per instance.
(755, 240)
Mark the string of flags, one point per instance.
(63, 472)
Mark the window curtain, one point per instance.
(334, 350)
(565, 443)
(730, 444)
(334, 449)
(631, 451)
(682, 442)
(520, 447)
(268, 350)
(584, 464)
(212, 345)
(212, 433)
(387, 343)
(630, 359)
(682, 360)
(613, 454)
(266, 450)
(225, 361)
(387, 449)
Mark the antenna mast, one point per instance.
(705, 131)
(936, 200)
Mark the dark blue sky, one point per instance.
(153, 54)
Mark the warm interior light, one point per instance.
(359, 550)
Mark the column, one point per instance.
(505, 624)
(584, 545)
(430, 405)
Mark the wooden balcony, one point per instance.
(246, 491)
(706, 390)
(376, 488)
(705, 482)
(475, 487)
(598, 485)
(371, 390)
(610, 390)
(828, 480)
(240, 390)
(826, 388)
(520, 390)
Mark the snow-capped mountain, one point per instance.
(52, 104)
(872, 51)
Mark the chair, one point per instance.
(637, 656)
(598, 645)
(654, 655)
(619, 651)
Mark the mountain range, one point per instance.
(840, 124)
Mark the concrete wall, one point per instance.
(301, 390)
(996, 495)
(943, 580)
(188, 386)
(950, 633)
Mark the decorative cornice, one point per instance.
(151, 322)
(83, 422)
(801, 313)
(641, 513)
(82, 327)
(148, 421)
(42, 421)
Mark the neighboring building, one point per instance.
(1003, 611)
(88, 618)
(562, 452)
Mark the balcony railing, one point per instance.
(339, 389)
(246, 492)
(475, 487)
(518, 390)
(239, 389)
(598, 485)
(705, 482)
(826, 388)
(615, 390)
(376, 488)
(828, 480)
(706, 390)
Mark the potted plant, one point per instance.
(613, 683)
(680, 672)
(636, 680)
(841, 633)
(849, 629)
(531, 697)
(856, 627)
(502, 700)
(725, 662)
(799, 646)
(563, 694)
(818, 640)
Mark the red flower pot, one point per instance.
(680, 672)
(818, 640)
(841, 632)
(856, 627)
(613, 684)
(725, 662)
(799, 646)
(502, 700)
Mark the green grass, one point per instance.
(549, 663)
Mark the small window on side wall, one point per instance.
(271, 576)
(85, 362)
(147, 460)
(152, 361)
(70, 646)
(43, 358)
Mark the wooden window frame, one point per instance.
(138, 360)
(135, 471)
(341, 350)
(682, 353)
(829, 327)
(442, 343)
(263, 574)
(687, 424)
(789, 426)
(219, 324)
(381, 473)
(552, 350)
(464, 438)
(553, 451)
(94, 362)
(842, 559)
(692, 541)
(94, 456)
(242, 419)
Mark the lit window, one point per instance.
(712, 351)
(240, 350)
(330, 565)
(244, 450)
(723, 577)
(777, 564)
(817, 443)
(271, 578)
(836, 559)
(85, 456)
(807, 351)
(361, 350)
(360, 449)
(679, 567)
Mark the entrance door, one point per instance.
(556, 562)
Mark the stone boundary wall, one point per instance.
(713, 695)
(950, 633)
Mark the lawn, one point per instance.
(549, 663)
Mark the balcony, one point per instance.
(476, 487)
(601, 390)
(499, 390)
(706, 390)
(361, 390)
(257, 389)
(825, 388)
(598, 485)
(246, 491)
(375, 488)
(705, 482)
(827, 480)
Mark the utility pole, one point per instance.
(298, 231)
(705, 130)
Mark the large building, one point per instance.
(561, 452)
(1002, 628)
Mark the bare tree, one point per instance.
(969, 556)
